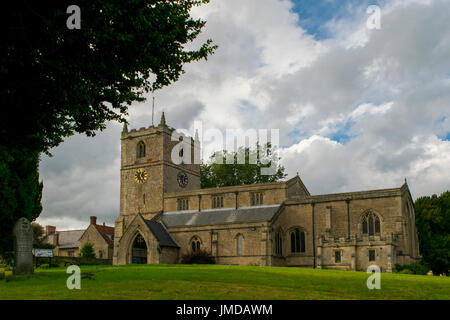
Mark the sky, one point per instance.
(358, 108)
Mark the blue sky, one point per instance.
(357, 108)
(314, 14)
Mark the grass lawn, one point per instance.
(220, 282)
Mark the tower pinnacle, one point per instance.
(163, 120)
(196, 135)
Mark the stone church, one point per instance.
(164, 214)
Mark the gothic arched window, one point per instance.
(298, 240)
(195, 244)
(278, 243)
(371, 224)
(239, 244)
(140, 150)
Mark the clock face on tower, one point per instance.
(140, 176)
(182, 179)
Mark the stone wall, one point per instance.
(101, 248)
(273, 193)
(221, 242)
(66, 252)
(330, 222)
(162, 172)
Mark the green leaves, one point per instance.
(87, 251)
(57, 82)
(20, 191)
(219, 173)
(433, 226)
(65, 79)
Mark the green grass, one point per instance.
(220, 282)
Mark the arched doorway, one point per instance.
(139, 250)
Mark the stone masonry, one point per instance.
(161, 202)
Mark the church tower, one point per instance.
(154, 160)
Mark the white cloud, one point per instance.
(385, 91)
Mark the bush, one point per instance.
(406, 271)
(67, 261)
(5, 273)
(414, 268)
(87, 251)
(7, 259)
(198, 257)
(44, 246)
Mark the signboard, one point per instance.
(43, 253)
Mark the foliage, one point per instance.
(20, 191)
(44, 246)
(414, 268)
(433, 227)
(5, 273)
(38, 234)
(218, 173)
(58, 81)
(406, 271)
(76, 80)
(7, 259)
(87, 251)
(198, 257)
(79, 261)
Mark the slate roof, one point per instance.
(161, 234)
(67, 239)
(220, 216)
(107, 233)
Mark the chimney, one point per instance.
(56, 239)
(103, 224)
(49, 230)
(93, 220)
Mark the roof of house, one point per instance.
(66, 239)
(161, 234)
(220, 216)
(106, 232)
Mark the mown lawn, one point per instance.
(220, 282)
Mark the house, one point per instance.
(101, 236)
(68, 243)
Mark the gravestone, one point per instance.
(23, 246)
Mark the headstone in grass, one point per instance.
(23, 246)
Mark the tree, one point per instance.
(87, 251)
(217, 173)
(433, 227)
(38, 234)
(20, 192)
(58, 81)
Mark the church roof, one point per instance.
(161, 234)
(66, 239)
(219, 216)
